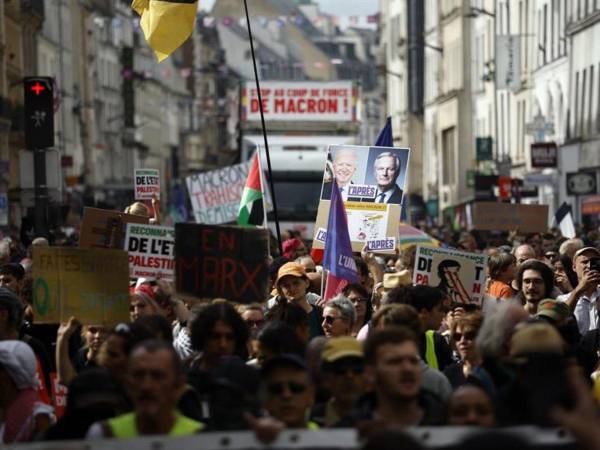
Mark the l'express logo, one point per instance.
(362, 190)
(382, 244)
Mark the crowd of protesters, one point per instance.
(384, 354)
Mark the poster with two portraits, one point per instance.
(372, 183)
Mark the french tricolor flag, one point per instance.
(337, 259)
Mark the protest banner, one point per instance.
(147, 184)
(510, 216)
(91, 285)
(151, 251)
(460, 275)
(219, 261)
(371, 180)
(102, 228)
(216, 195)
(301, 101)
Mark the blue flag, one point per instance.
(338, 258)
(386, 137)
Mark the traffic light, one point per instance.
(39, 112)
(127, 87)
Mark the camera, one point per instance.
(595, 264)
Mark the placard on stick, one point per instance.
(102, 228)
(147, 184)
(221, 262)
(151, 251)
(91, 285)
(510, 216)
(460, 275)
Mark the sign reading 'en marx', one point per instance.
(221, 262)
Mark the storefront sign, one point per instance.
(581, 183)
(544, 155)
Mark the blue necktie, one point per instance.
(381, 197)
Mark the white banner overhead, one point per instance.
(508, 62)
(301, 101)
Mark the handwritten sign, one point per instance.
(216, 195)
(102, 228)
(510, 216)
(151, 251)
(223, 262)
(147, 184)
(460, 275)
(92, 285)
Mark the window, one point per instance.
(553, 33)
(501, 143)
(539, 39)
(582, 114)
(598, 106)
(576, 106)
(545, 35)
(526, 38)
(591, 101)
(448, 156)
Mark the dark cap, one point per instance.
(287, 360)
(8, 299)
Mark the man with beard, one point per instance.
(155, 382)
(534, 282)
(393, 368)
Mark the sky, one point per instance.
(349, 7)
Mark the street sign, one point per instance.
(581, 183)
(539, 179)
(484, 149)
(543, 155)
(39, 112)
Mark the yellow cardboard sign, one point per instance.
(90, 284)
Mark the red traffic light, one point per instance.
(37, 88)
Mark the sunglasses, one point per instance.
(330, 319)
(356, 369)
(255, 323)
(469, 336)
(278, 388)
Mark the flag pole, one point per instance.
(264, 129)
(260, 174)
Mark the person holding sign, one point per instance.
(139, 209)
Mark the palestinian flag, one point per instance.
(252, 209)
(166, 23)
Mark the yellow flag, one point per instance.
(166, 23)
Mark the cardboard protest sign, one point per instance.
(151, 251)
(102, 228)
(510, 216)
(92, 285)
(371, 181)
(216, 195)
(147, 184)
(219, 261)
(460, 275)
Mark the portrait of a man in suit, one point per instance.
(344, 167)
(386, 169)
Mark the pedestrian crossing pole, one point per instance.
(39, 136)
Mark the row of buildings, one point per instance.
(117, 109)
(446, 89)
